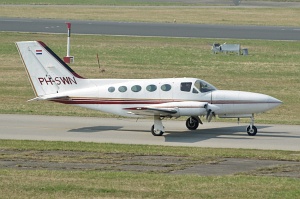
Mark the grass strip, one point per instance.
(63, 184)
(192, 152)
(16, 183)
(161, 14)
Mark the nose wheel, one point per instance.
(251, 129)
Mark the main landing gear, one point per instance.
(158, 128)
(251, 129)
(192, 123)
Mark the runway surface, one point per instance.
(130, 131)
(150, 29)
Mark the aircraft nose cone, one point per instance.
(273, 102)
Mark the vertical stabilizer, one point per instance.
(47, 73)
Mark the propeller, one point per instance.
(210, 111)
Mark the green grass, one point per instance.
(196, 153)
(94, 2)
(115, 2)
(16, 183)
(80, 184)
(160, 14)
(272, 67)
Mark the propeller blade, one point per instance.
(208, 114)
(210, 109)
(211, 116)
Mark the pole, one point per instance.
(68, 41)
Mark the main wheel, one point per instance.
(251, 131)
(192, 123)
(155, 132)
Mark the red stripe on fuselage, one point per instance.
(108, 101)
(143, 101)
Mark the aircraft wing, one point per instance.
(174, 109)
(149, 111)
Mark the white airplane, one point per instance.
(54, 80)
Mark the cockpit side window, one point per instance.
(186, 86)
(197, 85)
(203, 86)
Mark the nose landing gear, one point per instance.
(251, 129)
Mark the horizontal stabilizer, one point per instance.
(48, 98)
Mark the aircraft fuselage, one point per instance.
(119, 96)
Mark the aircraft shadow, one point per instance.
(187, 136)
(235, 132)
(95, 129)
(204, 134)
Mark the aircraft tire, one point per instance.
(192, 123)
(155, 133)
(253, 131)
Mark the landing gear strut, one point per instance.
(158, 128)
(192, 123)
(251, 129)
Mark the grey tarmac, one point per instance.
(132, 131)
(150, 29)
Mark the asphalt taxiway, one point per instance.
(130, 131)
(150, 29)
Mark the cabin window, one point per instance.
(111, 89)
(166, 87)
(186, 86)
(136, 88)
(122, 89)
(151, 88)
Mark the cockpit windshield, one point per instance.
(203, 86)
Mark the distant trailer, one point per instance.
(237, 2)
(226, 48)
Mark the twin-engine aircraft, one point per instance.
(54, 80)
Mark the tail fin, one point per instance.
(47, 73)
